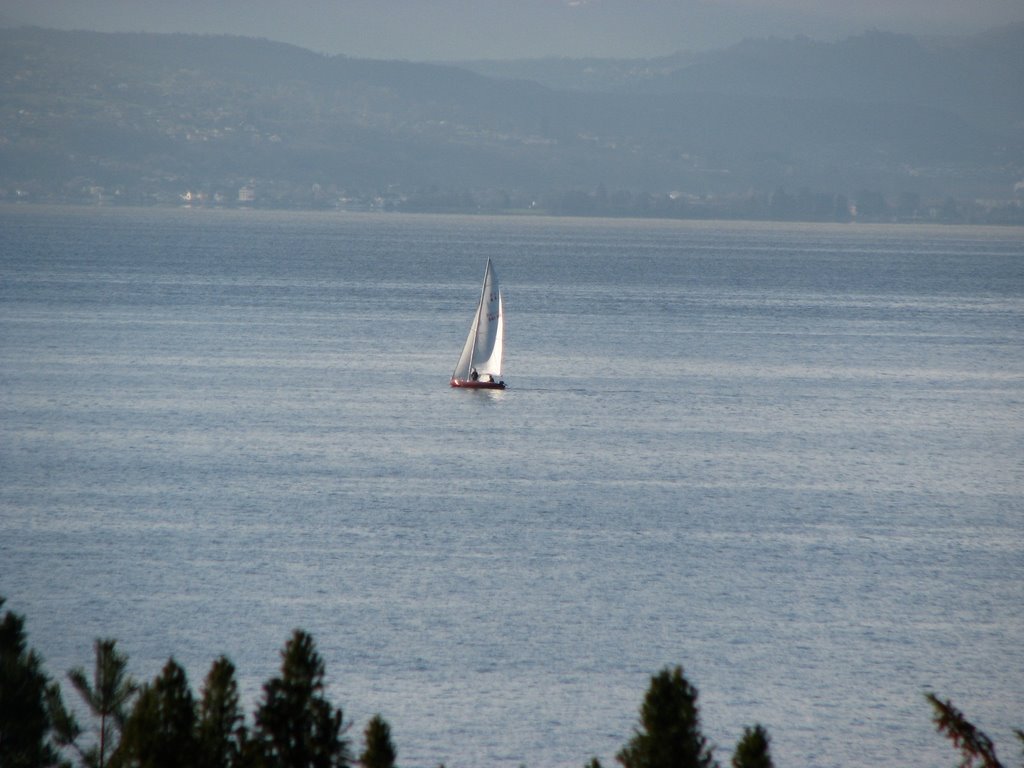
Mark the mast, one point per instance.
(467, 360)
(480, 309)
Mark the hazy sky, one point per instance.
(464, 29)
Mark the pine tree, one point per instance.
(296, 726)
(220, 718)
(669, 735)
(975, 746)
(380, 751)
(25, 722)
(66, 729)
(752, 751)
(160, 732)
(107, 697)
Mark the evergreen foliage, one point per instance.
(752, 751)
(160, 732)
(296, 726)
(976, 748)
(221, 733)
(669, 734)
(107, 697)
(66, 729)
(24, 692)
(380, 752)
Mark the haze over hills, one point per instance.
(892, 124)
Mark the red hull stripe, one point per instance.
(463, 384)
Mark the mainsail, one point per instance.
(483, 349)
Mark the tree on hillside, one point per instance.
(296, 726)
(380, 750)
(107, 696)
(669, 734)
(221, 733)
(752, 751)
(160, 731)
(25, 723)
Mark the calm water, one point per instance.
(787, 458)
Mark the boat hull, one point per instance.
(464, 384)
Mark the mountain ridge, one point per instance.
(156, 115)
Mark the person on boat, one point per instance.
(474, 375)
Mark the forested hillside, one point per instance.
(876, 126)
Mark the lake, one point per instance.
(786, 457)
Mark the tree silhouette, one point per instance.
(25, 722)
(107, 696)
(160, 732)
(975, 746)
(380, 751)
(221, 734)
(66, 729)
(669, 734)
(752, 750)
(297, 727)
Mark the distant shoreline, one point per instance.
(7, 205)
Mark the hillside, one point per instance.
(979, 78)
(139, 118)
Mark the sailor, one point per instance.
(474, 375)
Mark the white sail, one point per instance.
(484, 345)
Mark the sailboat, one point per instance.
(479, 365)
